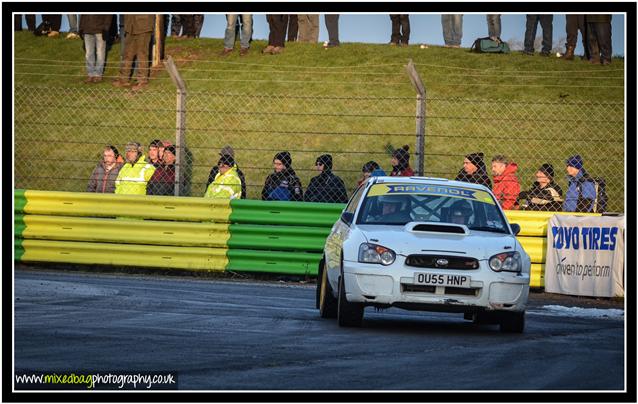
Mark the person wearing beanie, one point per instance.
(154, 156)
(227, 184)
(474, 170)
(506, 187)
(103, 177)
(545, 194)
(401, 162)
(163, 180)
(228, 151)
(135, 173)
(367, 170)
(283, 184)
(581, 191)
(326, 187)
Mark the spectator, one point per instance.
(188, 26)
(154, 156)
(227, 184)
(277, 24)
(283, 184)
(135, 173)
(94, 30)
(332, 25)
(506, 187)
(291, 27)
(452, 29)
(53, 21)
(228, 151)
(401, 162)
(545, 194)
(573, 24)
(105, 173)
(138, 30)
(176, 25)
(198, 23)
(581, 192)
(308, 28)
(599, 38)
(494, 26)
(326, 187)
(73, 26)
(367, 170)
(17, 22)
(474, 170)
(30, 18)
(163, 180)
(531, 23)
(246, 34)
(400, 29)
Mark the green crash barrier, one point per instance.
(245, 211)
(244, 236)
(292, 263)
(191, 258)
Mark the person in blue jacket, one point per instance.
(581, 191)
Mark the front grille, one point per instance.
(408, 287)
(438, 261)
(461, 291)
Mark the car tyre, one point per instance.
(512, 322)
(348, 314)
(326, 301)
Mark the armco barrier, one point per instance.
(196, 233)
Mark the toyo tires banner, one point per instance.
(585, 255)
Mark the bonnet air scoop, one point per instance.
(435, 227)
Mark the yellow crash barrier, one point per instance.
(191, 258)
(535, 223)
(138, 206)
(126, 231)
(535, 247)
(537, 276)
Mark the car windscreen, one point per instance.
(398, 204)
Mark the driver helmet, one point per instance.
(460, 211)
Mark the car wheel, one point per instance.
(348, 314)
(512, 322)
(325, 298)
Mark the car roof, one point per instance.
(427, 181)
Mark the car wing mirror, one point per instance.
(516, 228)
(347, 217)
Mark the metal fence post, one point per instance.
(180, 123)
(420, 115)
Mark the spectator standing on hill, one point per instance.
(326, 187)
(246, 33)
(474, 170)
(506, 186)
(573, 24)
(73, 26)
(581, 191)
(54, 21)
(367, 170)
(401, 162)
(332, 25)
(163, 180)
(105, 173)
(452, 29)
(277, 24)
(283, 184)
(545, 194)
(308, 28)
(198, 23)
(292, 27)
(135, 173)
(138, 30)
(599, 38)
(154, 156)
(494, 26)
(400, 29)
(94, 30)
(228, 151)
(531, 24)
(227, 184)
(176, 25)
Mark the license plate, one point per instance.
(459, 281)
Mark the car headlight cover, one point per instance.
(376, 254)
(509, 262)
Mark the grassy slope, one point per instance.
(272, 119)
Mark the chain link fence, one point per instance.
(60, 133)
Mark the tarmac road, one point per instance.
(258, 335)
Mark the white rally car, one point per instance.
(422, 243)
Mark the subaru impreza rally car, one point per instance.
(422, 243)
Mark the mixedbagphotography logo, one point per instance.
(60, 380)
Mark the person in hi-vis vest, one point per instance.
(135, 173)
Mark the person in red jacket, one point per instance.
(506, 186)
(401, 162)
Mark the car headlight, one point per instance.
(376, 254)
(509, 262)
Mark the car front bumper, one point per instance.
(394, 285)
